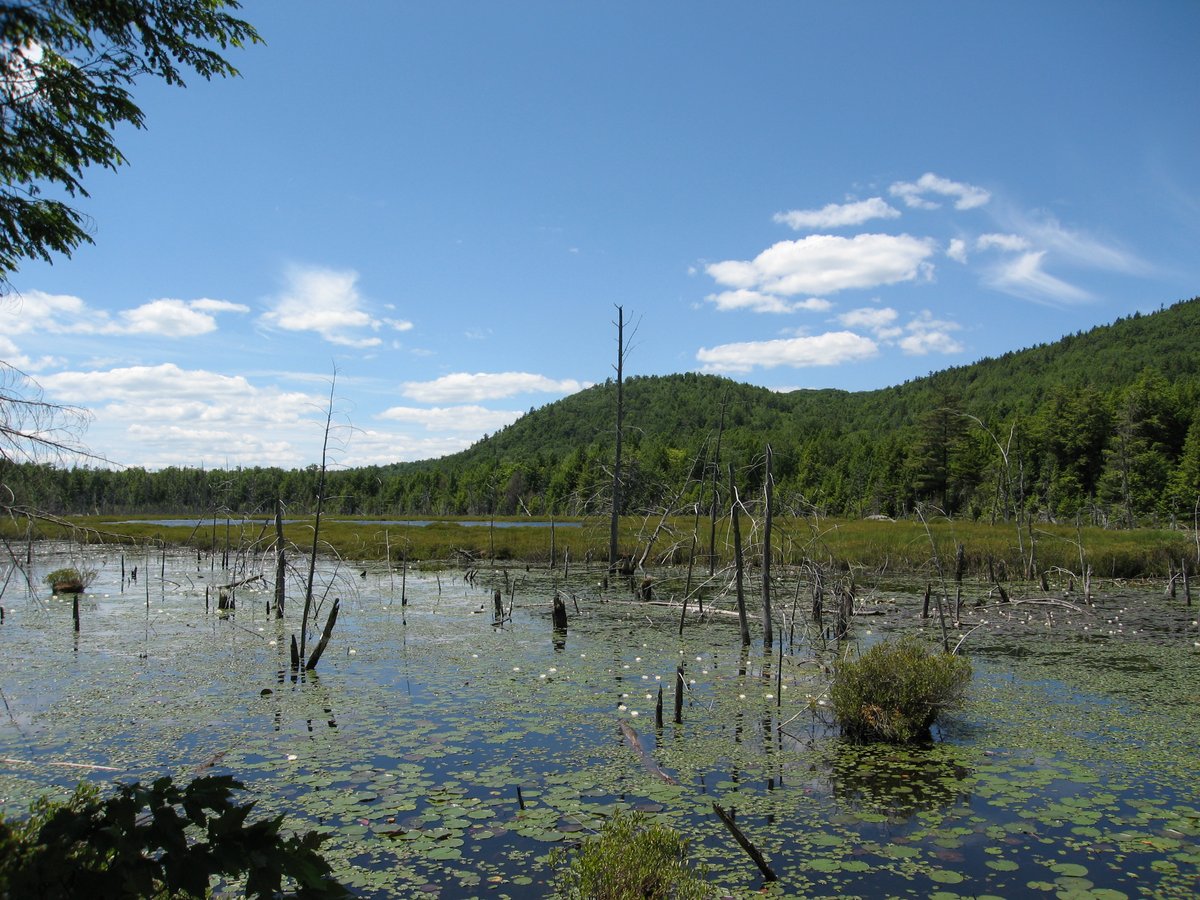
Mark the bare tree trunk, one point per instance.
(616, 488)
(321, 644)
(312, 559)
(712, 533)
(768, 623)
(738, 565)
(280, 560)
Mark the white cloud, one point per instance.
(1078, 248)
(37, 311)
(870, 317)
(474, 387)
(166, 383)
(327, 302)
(837, 215)
(473, 419)
(1025, 277)
(65, 314)
(914, 193)
(172, 318)
(206, 305)
(167, 415)
(926, 334)
(957, 250)
(755, 301)
(824, 264)
(830, 349)
(1011, 242)
(12, 355)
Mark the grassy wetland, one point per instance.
(447, 751)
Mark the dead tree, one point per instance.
(739, 569)
(768, 625)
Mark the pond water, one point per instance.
(445, 755)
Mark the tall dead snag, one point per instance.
(280, 560)
(680, 686)
(768, 625)
(321, 644)
(739, 570)
(312, 560)
(616, 487)
(716, 471)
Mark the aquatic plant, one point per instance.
(632, 858)
(896, 690)
(70, 580)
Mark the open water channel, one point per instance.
(445, 755)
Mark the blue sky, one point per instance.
(444, 201)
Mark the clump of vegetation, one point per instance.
(70, 580)
(896, 690)
(158, 840)
(630, 859)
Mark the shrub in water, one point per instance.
(70, 580)
(896, 690)
(630, 859)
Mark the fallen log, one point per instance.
(647, 760)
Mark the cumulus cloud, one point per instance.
(837, 215)
(460, 387)
(1011, 242)
(824, 264)
(829, 349)
(65, 314)
(925, 335)
(915, 194)
(873, 318)
(957, 250)
(327, 302)
(172, 318)
(756, 301)
(169, 415)
(472, 419)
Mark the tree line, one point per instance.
(1099, 428)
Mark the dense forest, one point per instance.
(1099, 427)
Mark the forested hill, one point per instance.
(686, 409)
(1099, 426)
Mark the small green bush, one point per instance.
(70, 580)
(156, 840)
(896, 690)
(630, 859)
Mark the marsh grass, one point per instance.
(901, 546)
